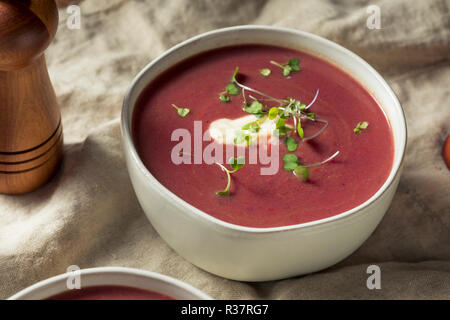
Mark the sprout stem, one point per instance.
(314, 100)
(258, 92)
(318, 133)
(321, 162)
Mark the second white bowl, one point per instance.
(113, 276)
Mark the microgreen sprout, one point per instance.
(242, 136)
(317, 164)
(182, 112)
(231, 89)
(290, 161)
(361, 126)
(280, 128)
(255, 107)
(313, 100)
(235, 164)
(288, 108)
(273, 113)
(292, 65)
(253, 127)
(224, 98)
(243, 87)
(300, 131)
(302, 172)
(265, 72)
(245, 134)
(318, 133)
(291, 144)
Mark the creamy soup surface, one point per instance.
(360, 169)
(109, 293)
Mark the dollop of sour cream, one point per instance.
(224, 131)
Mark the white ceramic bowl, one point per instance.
(114, 276)
(260, 254)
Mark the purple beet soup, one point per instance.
(362, 166)
(109, 293)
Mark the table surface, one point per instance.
(88, 215)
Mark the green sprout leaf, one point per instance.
(290, 162)
(224, 98)
(236, 163)
(284, 113)
(292, 65)
(280, 128)
(225, 192)
(255, 107)
(182, 112)
(300, 132)
(311, 115)
(239, 137)
(273, 113)
(265, 72)
(290, 157)
(280, 123)
(296, 105)
(290, 166)
(287, 70)
(291, 144)
(232, 89)
(361, 126)
(253, 127)
(302, 172)
(248, 140)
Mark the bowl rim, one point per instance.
(98, 271)
(183, 205)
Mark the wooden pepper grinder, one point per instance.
(31, 140)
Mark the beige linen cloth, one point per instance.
(88, 214)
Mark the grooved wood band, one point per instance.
(27, 180)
